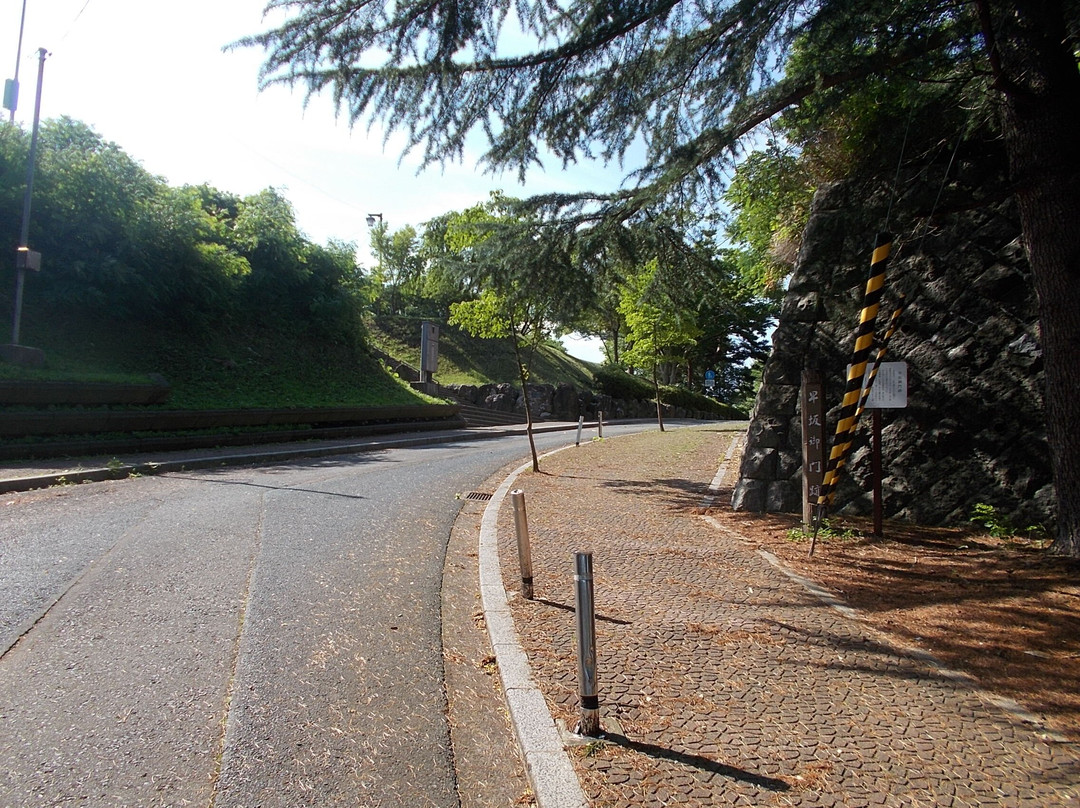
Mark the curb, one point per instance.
(554, 782)
(124, 470)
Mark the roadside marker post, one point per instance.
(585, 608)
(812, 407)
(521, 527)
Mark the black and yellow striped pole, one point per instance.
(882, 347)
(851, 406)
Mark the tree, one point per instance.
(733, 318)
(691, 80)
(770, 202)
(439, 286)
(657, 329)
(520, 274)
(400, 266)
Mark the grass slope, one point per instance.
(276, 364)
(257, 365)
(464, 359)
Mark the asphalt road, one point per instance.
(241, 637)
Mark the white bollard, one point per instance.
(521, 527)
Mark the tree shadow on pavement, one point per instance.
(564, 607)
(698, 762)
(675, 492)
(191, 478)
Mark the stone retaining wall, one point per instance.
(562, 402)
(973, 431)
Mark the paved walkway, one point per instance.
(723, 680)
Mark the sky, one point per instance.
(152, 77)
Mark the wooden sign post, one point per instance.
(889, 392)
(812, 403)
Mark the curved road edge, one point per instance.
(554, 782)
(64, 472)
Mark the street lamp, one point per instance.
(11, 86)
(371, 217)
(25, 258)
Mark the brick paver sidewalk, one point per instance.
(722, 680)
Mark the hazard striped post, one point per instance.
(882, 348)
(853, 392)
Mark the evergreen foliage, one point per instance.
(597, 78)
(524, 279)
(689, 80)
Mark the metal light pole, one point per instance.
(11, 87)
(371, 219)
(25, 259)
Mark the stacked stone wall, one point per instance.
(973, 431)
(563, 402)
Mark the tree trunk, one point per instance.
(1036, 70)
(656, 390)
(523, 372)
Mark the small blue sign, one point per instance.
(710, 374)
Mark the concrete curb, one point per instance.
(244, 458)
(554, 782)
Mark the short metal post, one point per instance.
(875, 466)
(600, 424)
(586, 645)
(580, 424)
(521, 526)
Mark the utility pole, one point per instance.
(25, 258)
(11, 87)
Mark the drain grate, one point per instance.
(478, 496)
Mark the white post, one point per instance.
(521, 526)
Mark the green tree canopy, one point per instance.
(658, 329)
(689, 79)
(523, 279)
(117, 240)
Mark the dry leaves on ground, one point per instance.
(999, 609)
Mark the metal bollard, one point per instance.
(580, 424)
(586, 645)
(521, 527)
(600, 424)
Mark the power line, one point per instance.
(71, 25)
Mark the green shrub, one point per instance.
(612, 380)
(999, 526)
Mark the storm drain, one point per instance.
(478, 496)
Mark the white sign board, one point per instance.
(890, 387)
(429, 347)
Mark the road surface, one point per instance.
(240, 637)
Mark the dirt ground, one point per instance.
(1001, 610)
